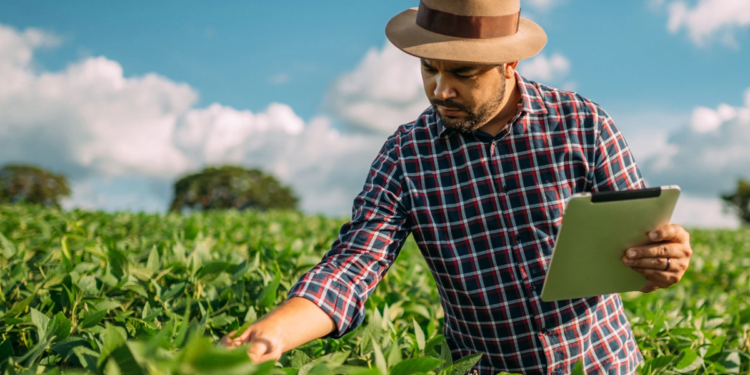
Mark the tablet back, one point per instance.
(595, 232)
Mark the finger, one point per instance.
(670, 232)
(649, 287)
(662, 279)
(227, 340)
(245, 336)
(258, 350)
(661, 250)
(273, 355)
(659, 264)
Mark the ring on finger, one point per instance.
(669, 261)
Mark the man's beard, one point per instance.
(474, 119)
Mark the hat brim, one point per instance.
(403, 31)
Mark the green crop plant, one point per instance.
(125, 293)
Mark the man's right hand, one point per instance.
(263, 345)
(292, 324)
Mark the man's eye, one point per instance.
(464, 75)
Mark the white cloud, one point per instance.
(123, 140)
(384, 91)
(706, 156)
(708, 19)
(545, 69)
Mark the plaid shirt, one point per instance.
(485, 212)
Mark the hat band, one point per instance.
(474, 27)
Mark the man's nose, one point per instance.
(443, 88)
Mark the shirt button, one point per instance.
(518, 238)
(556, 372)
(543, 331)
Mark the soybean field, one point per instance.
(129, 293)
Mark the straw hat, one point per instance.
(475, 31)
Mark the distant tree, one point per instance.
(33, 185)
(231, 187)
(739, 201)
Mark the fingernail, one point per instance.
(631, 253)
(653, 236)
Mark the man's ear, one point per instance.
(510, 69)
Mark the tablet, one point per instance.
(595, 232)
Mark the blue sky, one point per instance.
(289, 74)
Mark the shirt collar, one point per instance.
(530, 96)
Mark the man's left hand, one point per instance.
(663, 261)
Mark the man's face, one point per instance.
(466, 96)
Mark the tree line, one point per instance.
(224, 187)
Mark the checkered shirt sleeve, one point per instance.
(365, 248)
(615, 167)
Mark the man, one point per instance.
(480, 180)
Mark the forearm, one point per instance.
(296, 322)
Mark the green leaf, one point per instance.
(268, 295)
(125, 361)
(65, 347)
(153, 260)
(447, 357)
(175, 290)
(299, 359)
(357, 370)
(463, 365)
(379, 358)
(18, 307)
(244, 328)
(211, 270)
(93, 319)
(33, 354)
(657, 326)
(113, 339)
(9, 250)
(54, 280)
(112, 368)
(240, 270)
(324, 364)
(67, 259)
(87, 284)
(251, 315)
(40, 320)
(661, 361)
(419, 335)
(433, 342)
(416, 365)
(394, 355)
(86, 357)
(732, 363)
(107, 305)
(578, 369)
(689, 362)
(6, 351)
(59, 327)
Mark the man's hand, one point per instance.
(663, 261)
(264, 346)
(290, 325)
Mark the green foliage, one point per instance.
(739, 201)
(32, 185)
(132, 293)
(231, 187)
(702, 324)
